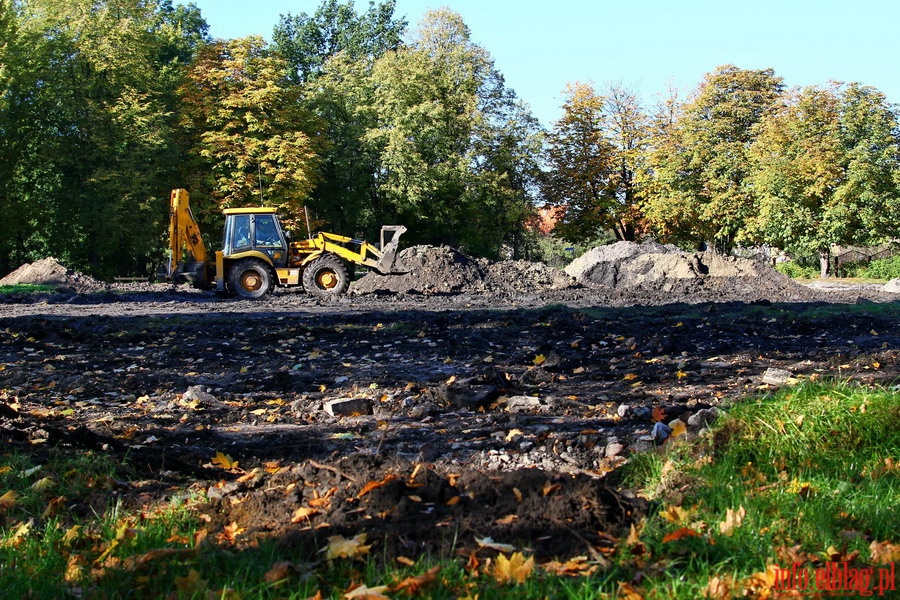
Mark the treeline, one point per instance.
(741, 161)
(105, 105)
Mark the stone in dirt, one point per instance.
(892, 286)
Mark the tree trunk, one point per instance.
(824, 263)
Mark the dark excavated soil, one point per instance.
(498, 413)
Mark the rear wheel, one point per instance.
(250, 278)
(326, 276)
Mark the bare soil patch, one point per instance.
(430, 419)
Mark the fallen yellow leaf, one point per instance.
(303, 512)
(733, 520)
(341, 547)
(363, 592)
(8, 500)
(225, 461)
(514, 569)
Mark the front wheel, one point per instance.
(326, 276)
(250, 279)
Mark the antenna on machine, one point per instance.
(259, 171)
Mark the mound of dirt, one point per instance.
(654, 269)
(49, 271)
(445, 270)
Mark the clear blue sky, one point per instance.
(540, 45)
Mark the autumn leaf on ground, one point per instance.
(719, 588)
(658, 414)
(629, 592)
(17, 536)
(280, 572)
(304, 512)
(678, 428)
(42, 485)
(224, 461)
(633, 542)
(676, 514)
(8, 500)
(680, 533)
(514, 569)
(578, 566)
(488, 542)
(733, 520)
(539, 360)
(341, 547)
(229, 533)
(191, 584)
(363, 592)
(412, 585)
(374, 485)
(549, 488)
(760, 585)
(884, 552)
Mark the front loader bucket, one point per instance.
(385, 265)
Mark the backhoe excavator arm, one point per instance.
(187, 253)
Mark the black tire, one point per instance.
(326, 276)
(250, 279)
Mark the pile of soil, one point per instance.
(49, 271)
(653, 269)
(445, 270)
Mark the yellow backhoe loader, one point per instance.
(258, 255)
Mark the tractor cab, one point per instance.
(255, 229)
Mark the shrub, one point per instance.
(882, 268)
(797, 271)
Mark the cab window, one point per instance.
(241, 232)
(267, 235)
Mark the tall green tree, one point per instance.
(870, 137)
(307, 42)
(337, 48)
(253, 140)
(89, 127)
(701, 166)
(824, 172)
(441, 133)
(798, 163)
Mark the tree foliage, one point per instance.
(252, 136)
(307, 42)
(700, 164)
(824, 164)
(593, 152)
(88, 127)
(451, 163)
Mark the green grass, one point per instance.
(24, 288)
(815, 470)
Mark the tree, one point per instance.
(700, 165)
(251, 134)
(308, 42)
(870, 137)
(582, 179)
(449, 159)
(799, 166)
(626, 126)
(826, 163)
(337, 48)
(88, 129)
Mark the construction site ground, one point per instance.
(428, 419)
